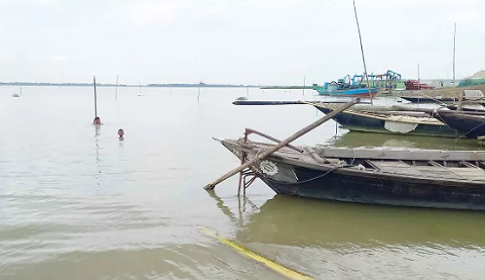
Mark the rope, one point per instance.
(319, 176)
(311, 179)
(461, 136)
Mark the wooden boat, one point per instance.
(469, 95)
(469, 125)
(417, 178)
(428, 100)
(391, 122)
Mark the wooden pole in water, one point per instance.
(116, 89)
(419, 80)
(95, 98)
(362, 51)
(283, 143)
(454, 47)
(304, 81)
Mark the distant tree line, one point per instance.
(198, 85)
(286, 87)
(120, 85)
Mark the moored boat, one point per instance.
(469, 95)
(469, 125)
(417, 178)
(358, 85)
(396, 123)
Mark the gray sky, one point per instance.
(235, 41)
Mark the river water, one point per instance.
(78, 203)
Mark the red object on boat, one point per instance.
(416, 85)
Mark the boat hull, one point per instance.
(363, 123)
(338, 186)
(468, 125)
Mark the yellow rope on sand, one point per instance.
(291, 274)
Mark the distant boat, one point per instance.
(358, 85)
(18, 94)
(349, 92)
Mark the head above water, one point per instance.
(97, 120)
(121, 132)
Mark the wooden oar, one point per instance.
(283, 143)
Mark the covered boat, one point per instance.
(418, 178)
(393, 122)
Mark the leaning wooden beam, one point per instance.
(283, 143)
(250, 130)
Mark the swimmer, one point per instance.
(97, 121)
(121, 133)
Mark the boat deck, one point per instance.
(437, 165)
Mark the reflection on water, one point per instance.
(283, 219)
(350, 241)
(361, 139)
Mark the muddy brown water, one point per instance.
(78, 203)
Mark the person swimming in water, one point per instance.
(121, 133)
(97, 121)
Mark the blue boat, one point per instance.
(335, 90)
(357, 86)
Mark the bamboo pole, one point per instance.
(304, 82)
(454, 47)
(362, 51)
(116, 89)
(95, 98)
(460, 101)
(419, 80)
(283, 143)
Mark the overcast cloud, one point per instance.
(235, 41)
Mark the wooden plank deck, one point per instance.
(395, 167)
(435, 171)
(423, 155)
